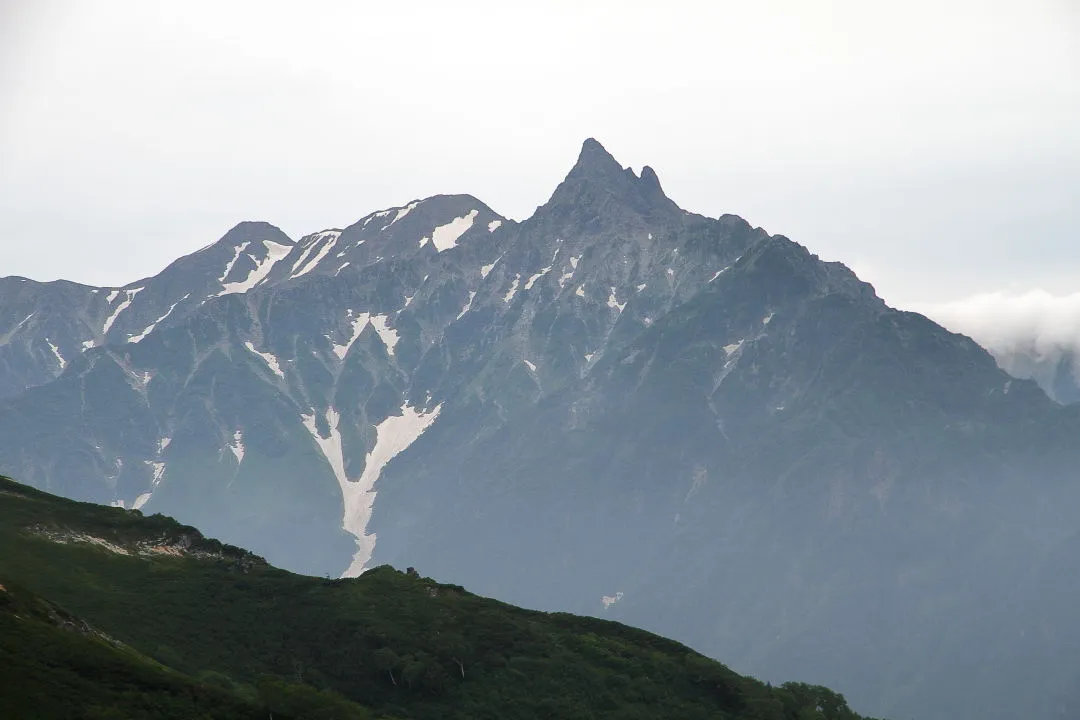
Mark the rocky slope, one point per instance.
(615, 407)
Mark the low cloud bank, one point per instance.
(1033, 321)
(1032, 335)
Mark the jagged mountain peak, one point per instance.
(597, 183)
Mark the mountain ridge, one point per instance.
(614, 407)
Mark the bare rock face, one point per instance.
(615, 407)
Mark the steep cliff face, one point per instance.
(614, 407)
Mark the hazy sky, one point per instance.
(933, 146)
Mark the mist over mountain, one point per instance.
(614, 407)
(1032, 335)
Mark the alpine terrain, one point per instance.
(615, 407)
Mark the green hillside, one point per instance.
(105, 613)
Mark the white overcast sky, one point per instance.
(934, 146)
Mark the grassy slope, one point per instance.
(402, 645)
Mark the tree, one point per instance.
(386, 659)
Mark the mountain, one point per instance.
(1056, 368)
(615, 407)
(148, 618)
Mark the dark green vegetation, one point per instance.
(182, 627)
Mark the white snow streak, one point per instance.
(327, 239)
(765, 320)
(111, 296)
(446, 236)
(159, 471)
(237, 446)
(140, 501)
(274, 252)
(403, 212)
(532, 280)
(388, 335)
(151, 326)
(392, 436)
(567, 275)
(268, 358)
(531, 365)
(236, 256)
(494, 225)
(718, 273)
(129, 295)
(485, 269)
(609, 600)
(641, 287)
(513, 289)
(468, 305)
(729, 349)
(56, 352)
(358, 325)
(613, 302)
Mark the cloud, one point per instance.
(1032, 335)
(1034, 321)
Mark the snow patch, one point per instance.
(468, 305)
(111, 296)
(609, 600)
(513, 289)
(236, 256)
(56, 351)
(641, 287)
(268, 358)
(159, 471)
(570, 273)
(532, 366)
(151, 326)
(392, 436)
(325, 241)
(580, 292)
(730, 349)
(613, 302)
(403, 212)
(494, 225)
(765, 320)
(129, 295)
(87, 344)
(720, 272)
(532, 280)
(446, 236)
(387, 334)
(358, 325)
(274, 253)
(237, 446)
(141, 500)
(485, 269)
